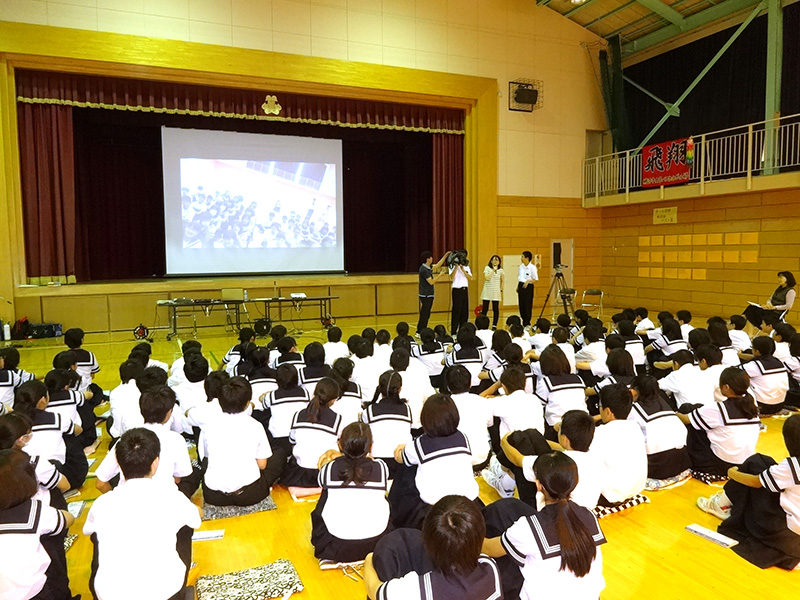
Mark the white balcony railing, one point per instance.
(763, 148)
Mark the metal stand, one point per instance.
(565, 293)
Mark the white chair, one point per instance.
(597, 296)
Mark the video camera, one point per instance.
(560, 268)
(457, 257)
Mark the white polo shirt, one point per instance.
(234, 442)
(173, 461)
(124, 400)
(619, 446)
(474, 419)
(190, 394)
(136, 526)
(25, 560)
(366, 372)
(335, 350)
(784, 478)
(518, 411)
(416, 389)
(176, 374)
(526, 272)
(460, 279)
(739, 339)
(689, 385)
(591, 352)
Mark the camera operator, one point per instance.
(460, 275)
(528, 274)
(429, 273)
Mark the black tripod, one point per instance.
(565, 293)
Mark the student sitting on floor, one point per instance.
(68, 361)
(441, 335)
(482, 329)
(366, 368)
(389, 419)
(634, 345)
(709, 359)
(176, 374)
(519, 338)
(595, 348)
(191, 392)
(235, 354)
(352, 513)
(276, 334)
(575, 435)
(466, 353)
(783, 333)
(722, 340)
(315, 430)
(315, 367)
(739, 338)
(174, 463)
(142, 527)
(558, 389)
(288, 354)
(87, 362)
(517, 409)
(664, 433)
(201, 415)
(402, 332)
(261, 376)
(665, 344)
(33, 566)
(237, 451)
(561, 339)
(61, 399)
(512, 359)
(642, 322)
(335, 347)
(431, 354)
(769, 379)
(53, 437)
(686, 383)
(557, 548)
(542, 338)
(11, 360)
(451, 540)
(620, 370)
(474, 413)
(793, 366)
(760, 505)
(351, 398)
(416, 382)
(684, 318)
(124, 397)
(439, 462)
(246, 363)
(619, 446)
(383, 347)
(723, 434)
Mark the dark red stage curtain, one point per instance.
(48, 190)
(448, 193)
(86, 91)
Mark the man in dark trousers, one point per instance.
(528, 274)
(429, 273)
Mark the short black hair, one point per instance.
(151, 376)
(352, 343)
(641, 312)
(764, 344)
(458, 379)
(73, 338)
(286, 377)
(143, 347)
(28, 395)
(452, 534)
(682, 357)
(285, 344)
(136, 450)
(614, 341)
(195, 368)
(563, 320)
(155, 403)
(140, 356)
(334, 334)
(527, 254)
(578, 426)
(626, 328)
(18, 477)
(738, 322)
(368, 333)
(771, 319)
(401, 328)
(664, 314)
(189, 345)
(384, 337)
(710, 353)
(365, 348)
(513, 380)
(235, 395)
(130, 369)
(246, 334)
(543, 325)
(592, 333)
(314, 355)
(716, 319)
(482, 322)
(516, 330)
(11, 356)
(439, 416)
(399, 359)
(699, 336)
(560, 335)
(784, 330)
(214, 382)
(512, 319)
(618, 399)
(425, 255)
(791, 435)
(684, 315)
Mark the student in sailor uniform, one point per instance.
(401, 329)
(49, 431)
(512, 359)
(287, 347)
(467, 353)
(431, 354)
(351, 398)
(261, 376)
(769, 379)
(176, 374)
(760, 505)
(439, 462)
(793, 366)
(87, 362)
(234, 355)
(783, 333)
(335, 348)
(619, 445)
(634, 345)
(557, 549)
(561, 339)
(558, 389)
(452, 534)
(665, 344)
(352, 513)
(739, 338)
(315, 430)
(500, 340)
(664, 433)
(276, 334)
(620, 368)
(31, 535)
(416, 383)
(174, 464)
(315, 367)
(723, 434)
(441, 335)
(63, 400)
(11, 359)
(389, 419)
(237, 451)
(474, 414)
(722, 340)
(142, 527)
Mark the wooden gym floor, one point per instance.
(648, 554)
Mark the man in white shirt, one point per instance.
(142, 527)
(460, 276)
(687, 383)
(527, 275)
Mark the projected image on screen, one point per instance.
(257, 204)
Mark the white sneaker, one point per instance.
(496, 477)
(717, 505)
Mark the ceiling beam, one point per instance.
(667, 12)
(610, 13)
(704, 17)
(579, 8)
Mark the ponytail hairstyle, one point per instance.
(325, 393)
(428, 339)
(13, 426)
(27, 396)
(739, 381)
(389, 386)
(356, 443)
(558, 475)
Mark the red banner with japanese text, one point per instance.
(667, 163)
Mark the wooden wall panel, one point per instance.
(354, 300)
(399, 299)
(90, 313)
(128, 311)
(29, 307)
